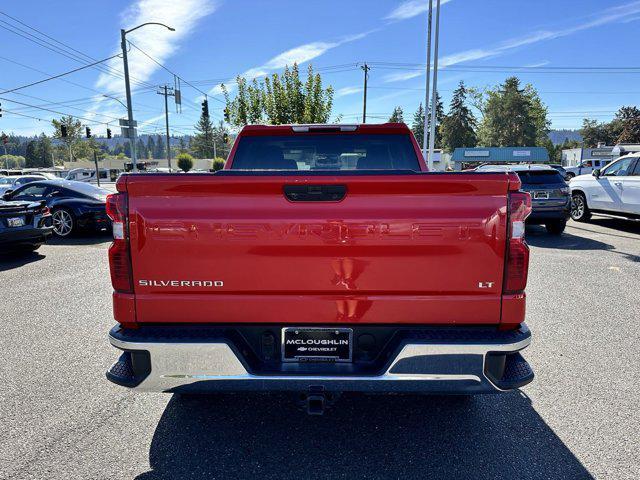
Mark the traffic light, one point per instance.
(225, 137)
(205, 107)
(63, 131)
(88, 132)
(108, 133)
(0, 110)
(227, 114)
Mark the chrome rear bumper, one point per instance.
(437, 365)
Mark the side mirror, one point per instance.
(7, 195)
(596, 173)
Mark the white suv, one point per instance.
(585, 166)
(614, 190)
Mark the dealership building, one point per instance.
(471, 157)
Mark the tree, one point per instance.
(280, 99)
(74, 132)
(513, 116)
(222, 139)
(151, 147)
(593, 132)
(629, 118)
(45, 151)
(141, 149)
(218, 164)
(439, 118)
(31, 156)
(160, 151)
(202, 144)
(458, 127)
(418, 125)
(397, 116)
(185, 162)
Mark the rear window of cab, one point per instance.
(540, 177)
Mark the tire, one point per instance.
(64, 223)
(579, 208)
(556, 227)
(570, 175)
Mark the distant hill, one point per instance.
(558, 137)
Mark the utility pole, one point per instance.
(130, 129)
(167, 92)
(425, 127)
(366, 69)
(432, 133)
(95, 161)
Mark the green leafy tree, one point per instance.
(513, 116)
(74, 133)
(185, 162)
(458, 127)
(593, 132)
(279, 99)
(218, 164)
(628, 118)
(397, 116)
(417, 126)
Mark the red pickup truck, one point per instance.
(321, 259)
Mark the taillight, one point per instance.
(517, 261)
(119, 257)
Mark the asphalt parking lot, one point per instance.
(60, 418)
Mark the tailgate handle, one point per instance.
(315, 193)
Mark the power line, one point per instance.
(55, 48)
(53, 111)
(57, 76)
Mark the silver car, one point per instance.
(14, 181)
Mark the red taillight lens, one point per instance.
(119, 257)
(517, 266)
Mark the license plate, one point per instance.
(316, 344)
(15, 222)
(541, 195)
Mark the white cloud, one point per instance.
(610, 15)
(300, 54)
(401, 77)
(156, 40)
(341, 92)
(538, 64)
(411, 8)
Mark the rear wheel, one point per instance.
(556, 227)
(570, 175)
(579, 209)
(63, 222)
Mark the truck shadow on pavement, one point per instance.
(9, 261)
(82, 238)
(538, 237)
(266, 436)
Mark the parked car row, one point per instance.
(66, 207)
(550, 194)
(612, 190)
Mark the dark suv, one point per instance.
(550, 194)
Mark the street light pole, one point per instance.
(127, 86)
(434, 95)
(425, 127)
(130, 127)
(166, 118)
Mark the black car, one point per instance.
(550, 198)
(24, 226)
(74, 205)
(562, 171)
(550, 194)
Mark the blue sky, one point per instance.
(217, 39)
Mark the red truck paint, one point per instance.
(407, 249)
(390, 281)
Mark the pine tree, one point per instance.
(160, 150)
(31, 155)
(458, 127)
(418, 125)
(151, 147)
(397, 116)
(202, 143)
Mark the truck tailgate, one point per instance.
(414, 249)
